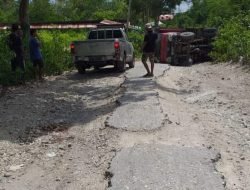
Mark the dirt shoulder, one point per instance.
(209, 106)
(52, 134)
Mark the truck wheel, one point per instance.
(209, 32)
(96, 68)
(132, 63)
(81, 70)
(187, 36)
(121, 65)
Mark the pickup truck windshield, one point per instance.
(105, 34)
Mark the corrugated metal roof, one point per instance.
(70, 25)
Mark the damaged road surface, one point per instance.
(140, 108)
(185, 129)
(155, 166)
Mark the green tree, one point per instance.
(90, 10)
(8, 10)
(42, 11)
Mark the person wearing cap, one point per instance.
(148, 49)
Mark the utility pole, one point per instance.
(129, 13)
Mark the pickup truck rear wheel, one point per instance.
(96, 68)
(132, 63)
(121, 65)
(81, 70)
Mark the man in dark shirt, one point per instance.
(16, 46)
(149, 50)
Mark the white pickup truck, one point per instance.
(109, 46)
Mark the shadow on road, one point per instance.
(95, 74)
(56, 105)
(173, 90)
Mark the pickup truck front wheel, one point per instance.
(81, 70)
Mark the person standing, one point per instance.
(36, 55)
(148, 49)
(16, 46)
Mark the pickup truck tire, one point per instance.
(132, 63)
(81, 70)
(121, 65)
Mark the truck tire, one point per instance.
(96, 68)
(132, 63)
(81, 70)
(187, 36)
(121, 65)
(209, 32)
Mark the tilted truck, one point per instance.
(104, 46)
(185, 46)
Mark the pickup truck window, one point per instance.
(106, 34)
(117, 34)
(101, 34)
(93, 35)
(109, 34)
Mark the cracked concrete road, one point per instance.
(157, 166)
(140, 108)
(187, 128)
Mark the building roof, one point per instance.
(71, 24)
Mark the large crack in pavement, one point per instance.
(139, 109)
(154, 165)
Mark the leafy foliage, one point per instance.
(8, 11)
(5, 57)
(234, 40)
(136, 37)
(42, 11)
(55, 49)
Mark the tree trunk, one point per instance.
(24, 22)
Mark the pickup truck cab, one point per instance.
(109, 46)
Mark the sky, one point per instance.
(184, 6)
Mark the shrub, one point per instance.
(55, 49)
(233, 40)
(6, 76)
(136, 38)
